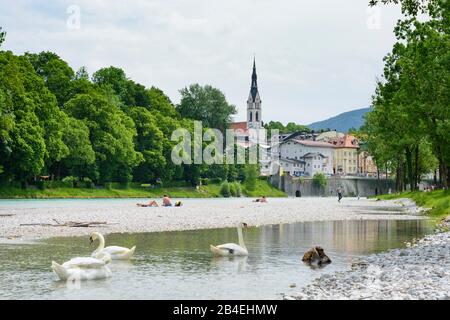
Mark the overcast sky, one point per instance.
(315, 58)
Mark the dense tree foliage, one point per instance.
(206, 104)
(408, 128)
(2, 36)
(59, 124)
(289, 128)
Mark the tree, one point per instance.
(81, 159)
(291, 127)
(149, 142)
(82, 74)
(411, 7)
(320, 181)
(411, 113)
(56, 73)
(158, 101)
(206, 104)
(251, 176)
(111, 133)
(35, 113)
(2, 36)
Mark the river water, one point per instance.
(178, 265)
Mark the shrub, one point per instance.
(320, 181)
(232, 189)
(238, 188)
(70, 181)
(225, 189)
(251, 176)
(87, 183)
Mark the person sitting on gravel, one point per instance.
(261, 199)
(152, 203)
(166, 201)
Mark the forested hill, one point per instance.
(342, 122)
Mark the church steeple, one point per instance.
(254, 86)
(254, 102)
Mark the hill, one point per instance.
(342, 122)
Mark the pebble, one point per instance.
(416, 273)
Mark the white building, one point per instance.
(310, 156)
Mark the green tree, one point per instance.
(206, 104)
(251, 176)
(2, 36)
(291, 127)
(149, 142)
(27, 98)
(160, 102)
(320, 181)
(56, 73)
(82, 73)
(81, 159)
(112, 133)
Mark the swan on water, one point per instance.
(232, 249)
(116, 253)
(84, 268)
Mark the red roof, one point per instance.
(239, 126)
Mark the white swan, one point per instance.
(116, 253)
(232, 249)
(84, 268)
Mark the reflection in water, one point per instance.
(179, 265)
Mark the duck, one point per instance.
(232, 249)
(116, 253)
(84, 268)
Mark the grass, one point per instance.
(206, 191)
(263, 188)
(438, 201)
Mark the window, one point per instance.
(251, 116)
(256, 117)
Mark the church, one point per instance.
(254, 116)
(254, 122)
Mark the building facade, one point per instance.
(310, 156)
(346, 155)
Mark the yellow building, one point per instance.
(346, 158)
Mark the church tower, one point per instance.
(254, 103)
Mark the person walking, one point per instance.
(339, 193)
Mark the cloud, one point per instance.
(314, 58)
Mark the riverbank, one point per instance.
(418, 272)
(438, 202)
(205, 191)
(124, 216)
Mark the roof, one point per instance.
(239, 126)
(292, 160)
(313, 154)
(329, 135)
(254, 86)
(311, 143)
(347, 141)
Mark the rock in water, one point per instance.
(317, 256)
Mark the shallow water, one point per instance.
(178, 265)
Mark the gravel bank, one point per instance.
(421, 271)
(124, 216)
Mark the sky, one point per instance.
(315, 59)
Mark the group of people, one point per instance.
(166, 202)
